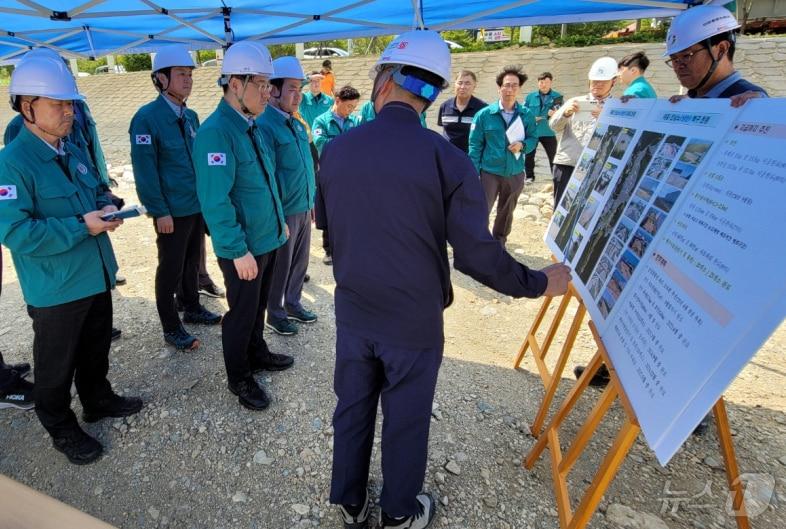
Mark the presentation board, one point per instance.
(673, 225)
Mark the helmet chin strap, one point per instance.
(165, 90)
(243, 107)
(714, 66)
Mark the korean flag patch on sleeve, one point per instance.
(216, 158)
(7, 192)
(143, 139)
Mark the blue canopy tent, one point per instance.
(93, 28)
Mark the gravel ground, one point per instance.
(193, 458)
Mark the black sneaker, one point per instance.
(19, 395)
(212, 291)
(356, 516)
(601, 378)
(22, 369)
(271, 362)
(428, 511)
(250, 394)
(306, 278)
(302, 316)
(112, 406)
(327, 259)
(78, 447)
(181, 340)
(120, 280)
(201, 316)
(283, 327)
(116, 333)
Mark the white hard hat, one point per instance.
(247, 58)
(287, 68)
(43, 76)
(171, 56)
(698, 24)
(603, 69)
(423, 49)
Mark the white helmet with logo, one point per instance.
(423, 49)
(287, 68)
(43, 76)
(698, 24)
(247, 57)
(603, 69)
(171, 56)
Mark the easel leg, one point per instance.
(732, 470)
(533, 329)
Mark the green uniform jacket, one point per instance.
(367, 113)
(540, 109)
(236, 186)
(83, 138)
(161, 156)
(640, 88)
(488, 143)
(57, 260)
(311, 109)
(287, 143)
(326, 128)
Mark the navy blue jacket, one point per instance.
(391, 213)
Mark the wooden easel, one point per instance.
(561, 465)
(551, 379)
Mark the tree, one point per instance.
(136, 62)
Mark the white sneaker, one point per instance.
(359, 521)
(428, 511)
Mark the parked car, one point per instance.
(321, 53)
(453, 45)
(117, 68)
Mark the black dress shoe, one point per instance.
(306, 278)
(120, 280)
(78, 447)
(271, 362)
(113, 406)
(600, 379)
(22, 370)
(250, 395)
(116, 333)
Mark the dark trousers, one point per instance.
(549, 144)
(405, 380)
(178, 264)
(326, 242)
(562, 174)
(508, 191)
(291, 264)
(71, 342)
(204, 277)
(242, 326)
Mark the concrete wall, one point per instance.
(114, 98)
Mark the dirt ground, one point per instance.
(193, 458)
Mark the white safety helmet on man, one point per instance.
(421, 49)
(169, 57)
(287, 68)
(42, 76)
(246, 57)
(699, 24)
(603, 69)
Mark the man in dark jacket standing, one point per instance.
(391, 214)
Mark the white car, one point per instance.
(453, 45)
(323, 53)
(117, 68)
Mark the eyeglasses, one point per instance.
(262, 86)
(510, 86)
(685, 58)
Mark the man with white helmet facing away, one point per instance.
(700, 45)
(575, 121)
(286, 139)
(239, 197)
(391, 214)
(162, 139)
(50, 219)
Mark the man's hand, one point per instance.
(677, 98)
(551, 112)
(572, 109)
(165, 224)
(246, 267)
(111, 208)
(558, 276)
(625, 99)
(96, 225)
(596, 111)
(741, 99)
(515, 147)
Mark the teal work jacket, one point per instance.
(326, 128)
(488, 143)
